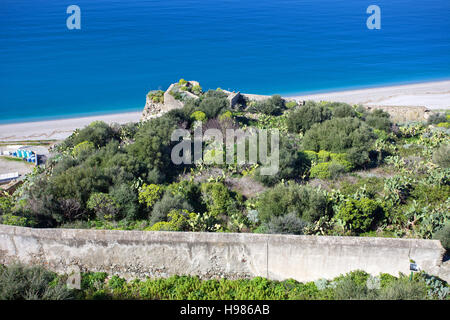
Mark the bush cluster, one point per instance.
(305, 202)
(272, 106)
(342, 135)
(18, 282)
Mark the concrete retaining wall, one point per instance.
(137, 254)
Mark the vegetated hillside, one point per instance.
(343, 171)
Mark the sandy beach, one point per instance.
(58, 129)
(432, 95)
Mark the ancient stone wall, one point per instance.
(137, 254)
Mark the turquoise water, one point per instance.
(126, 48)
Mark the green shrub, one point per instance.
(149, 194)
(18, 282)
(198, 116)
(359, 215)
(83, 148)
(398, 188)
(14, 220)
(197, 89)
(311, 155)
(379, 119)
(156, 96)
(321, 171)
(218, 199)
(327, 170)
(403, 289)
(152, 148)
(98, 133)
(177, 221)
(442, 156)
(306, 202)
(93, 280)
(327, 164)
(216, 94)
(226, 116)
(116, 282)
(287, 224)
(323, 156)
(212, 106)
(103, 205)
(342, 110)
(429, 195)
(342, 135)
(348, 289)
(342, 159)
(359, 277)
(436, 118)
(126, 198)
(443, 235)
(443, 125)
(303, 118)
(272, 106)
(291, 104)
(190, 191)
(169, 202)
(75, 184)
(293, 164)
(6, 204)
(386, 279)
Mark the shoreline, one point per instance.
(59, 129)
(432, 95)
(369, 87)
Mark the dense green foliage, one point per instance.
(437, 118)
(360, 215)
(19, 282)
(156, 96)
(302, 119)
(343, 170)
(379, 119)
(342, 135)
(272, 106)
(443, 235)
(441, 156)
(305, 202)
(293, 164)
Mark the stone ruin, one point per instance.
(157, 102)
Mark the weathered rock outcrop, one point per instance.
(152, 108)
(158, 102)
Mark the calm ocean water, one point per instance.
(127, 47)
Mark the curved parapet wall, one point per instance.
(138, 254)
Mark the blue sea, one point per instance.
(126, 48)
